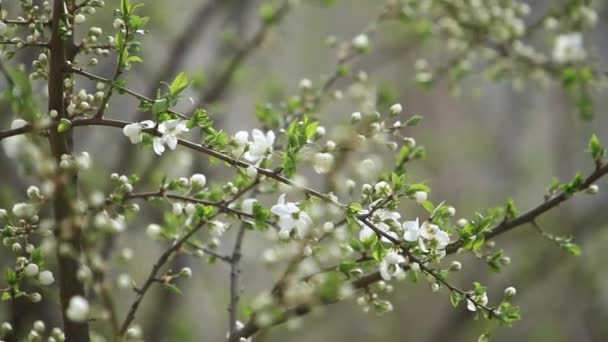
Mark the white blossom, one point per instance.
(569, 48)
(261, 145)
(133, 131)
(383, 220)
(24, 210)
(170, 130)
(78, 309)
(323, 162)
(481, 299)
(247, 205)
(431, 233)
(217, 228)
(291, 216)
(390, 266)
(411, 230)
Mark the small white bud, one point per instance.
(593, 189)
(355, 117)
(451, 211)
(328, 226)
(31, 270)
(18, 123)
(78, 309)
(510, 292)
(79, 18)
(153, 231)
(455, 266)
(177, 208)
(198, 180)
(186, 272)
(396, 109)
(305, 84)
(46, 278)
(361, 42)
(16, 248)
(6, 327)
(39, 326)
(321, 131)
(252, 171)
(190, 209)
(35, 297)
(462, 222)
(420, 196)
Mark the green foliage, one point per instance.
(20, 96)
(576, 81)
(596, 149)
(299, 133)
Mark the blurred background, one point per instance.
(486, 142)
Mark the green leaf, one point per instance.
(455, 298)
(414, 120)
(428, 206)
(134, 59)
(268, 13)
(596, 148)
(10, 276)
(179, 84)
(64, 125)
(173, 288)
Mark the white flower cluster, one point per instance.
(256, 150)
(169, 130)
(291, 217)
(569, 48)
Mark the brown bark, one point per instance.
(66, 231)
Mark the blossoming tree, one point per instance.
(349, 239)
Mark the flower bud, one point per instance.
(198, 180)
(252, 171)
(396, 109)
(455, 266)
(31, 270)
(510, 292)
(186, 272)
(420, 196)
(592, 189)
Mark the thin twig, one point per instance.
(234, 277)
(151, 279)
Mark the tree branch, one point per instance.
(66, 231)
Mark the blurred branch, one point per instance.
(234, 278)
(251, 327)
(220, 84)
(151, 279)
